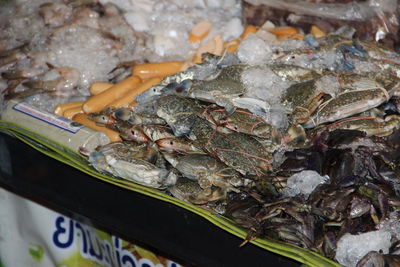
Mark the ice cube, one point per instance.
(303, 183)
(232, 29)
(351, 248)
(262, 83)
(278, 116)
(328, 84)
(254, 51)
(392, 224)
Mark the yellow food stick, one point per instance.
(59, 110)
(130, 96)
(199, 31)
(317, 32)
(98, 87)
(249, 29)
(69, 113)
(82, 119)
(98, 102)
(162, 69)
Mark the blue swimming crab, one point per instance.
(133, 162)
(208, 171)
(237, 150)
(371, 126)
(310, 105)
(189, 190)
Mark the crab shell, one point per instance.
(137, 170)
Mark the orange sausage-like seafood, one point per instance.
(59, 110)
(232, 46)
(214, 46)
(249, 29)
(82, 119)
(125, 100)
(199, 31)
(162, 69)
(317, 32)
(298, 36)
(284, 30)
(69, 113)
(98, 102)
(98, 87)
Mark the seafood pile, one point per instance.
(291, 136)
(52, 51)
(313, 164)
(40, 41)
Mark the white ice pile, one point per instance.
(352, 248)
(19, 22)
(86, 50)
(254, 51)
(303, 183)
(263, 84)
(278, 116)
(167, 23)
(328, 84)
(392, 225)
(84, 40)
(289, 45)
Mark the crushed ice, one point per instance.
(303, 183)
(254, 51)
(262, 83)
(352, 248)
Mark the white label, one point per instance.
(58, 121)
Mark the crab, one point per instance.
(377, 259)
(190, 191)
(241, 121)
(301, 100)
(180, 113)
(371, 126)
(132, 162)
(310, 106)
(237, 150)
(208, 171)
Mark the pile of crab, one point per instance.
(205, 137)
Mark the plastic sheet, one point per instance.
(376, 20)
(350, 11)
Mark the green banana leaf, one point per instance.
(59, 152)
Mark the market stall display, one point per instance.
(269, 132)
